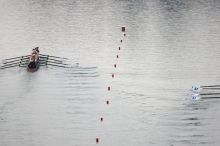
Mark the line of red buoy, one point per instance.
(113, 75)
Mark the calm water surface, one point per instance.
(170, 45)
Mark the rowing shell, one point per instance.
(37, 65)
(196, 89)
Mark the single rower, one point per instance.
(34, 57)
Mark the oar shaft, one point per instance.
(14, 61)
(17, 63)
(216, 97)
(9, 62)
(58, 57)
(57, 62)
(52, 56)
(5, 62)
(16, 57)
(11, 58)
(43, 56)
(54, 60)
(3, 67)
(48, 62)
(58, 65)
(209, 93)
(211, 86)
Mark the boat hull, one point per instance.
(34, 68)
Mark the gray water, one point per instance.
(170, 46)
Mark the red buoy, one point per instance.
(113, 75)
(107, 102)
(115, 65)
(97, 140)
(109, 88)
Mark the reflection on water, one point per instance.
(170, 46)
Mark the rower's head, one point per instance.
(37, 49)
